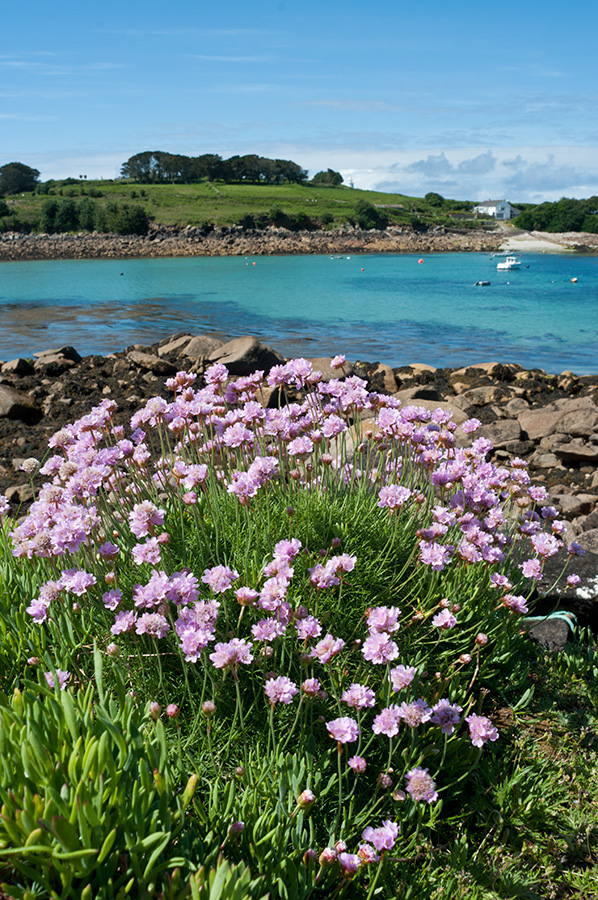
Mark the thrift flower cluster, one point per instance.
(107, 515)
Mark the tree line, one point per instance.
(562, 215)
(159, 167)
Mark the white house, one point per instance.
(498, 209)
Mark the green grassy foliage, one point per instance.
(227, 204)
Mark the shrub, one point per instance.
(327, 606)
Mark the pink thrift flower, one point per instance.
(444, 620)
(327, 648)
(384, 837)
(573, 580)
(531, 568)
(515, 603)
(481, 730)
(308, 627)
(112, 599)
(235, 651)
(311, 687)
(358, 764)
(415, 713)
(420, 785)
(280, 690)
(387, 722)
(401, 677)
(446, 715)
(219, 578)
(124, 621)
(344, 730)
(62, 677)
(379, 649)
(383, 618)
(359, 696)
(153, 624)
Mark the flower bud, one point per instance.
(235, 830)
(465, 658)
(327, 857)
(112, 650)
(335, 542)
(155, 709)
(240, 772)
(208, 708)
(340, 847)
(310, 856)
(33, 661)
(172, 711)
(481, 639)
(306, 799)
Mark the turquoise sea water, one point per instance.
(377, 307)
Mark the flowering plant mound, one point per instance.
(300, 564)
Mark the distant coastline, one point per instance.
(236, 241)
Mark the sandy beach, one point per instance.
(542, 242)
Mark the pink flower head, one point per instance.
(444, 620)
(349, 863)
(446, 715)
(62, 677)
(344, 730)
(420, 785)
(153, 624)
(219, 578)
(481, 730)
(327, 649)
(280, 690)
(337, 362)
(388, 721)
(573, 580)
(379, 649)
(531, 568)
(384, 837)
(515, 603)
(308, 627)
(394, 496)
(359, 696)
(358, 764)
(383, 618)
(415, 713)
(401, 677)
(235, 651)
(311, 687)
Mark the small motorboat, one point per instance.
(510, 262)
(482, 283)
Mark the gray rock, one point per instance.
(479, 396)
(67, 352)
(202, 345)
(516, 405)
(421, 392)
(543, 460)
(53, 364)
(589, 540)
(552, 634)
(501, 433)
(174, 344)
(17, 366)
(576, 505)
(149, 362)
(578, 416)
(576, 451)
(591, 521)
(14, 405)
(538, 423)
(322, 364)
(245, 355)
(383, 378)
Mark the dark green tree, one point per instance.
(17, 178)
(328, 177)
(434, 199)
(369, 217)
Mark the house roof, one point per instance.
(491, 202)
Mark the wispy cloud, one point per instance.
(230, 59)
(351, 105)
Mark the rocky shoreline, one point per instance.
(236, 241)
(549, 420)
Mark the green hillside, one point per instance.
(73, 205)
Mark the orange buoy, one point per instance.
(363, 270)
(420, 260)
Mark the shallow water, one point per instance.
(376, 307)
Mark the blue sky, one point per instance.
(466, 98)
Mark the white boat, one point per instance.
(510, 262)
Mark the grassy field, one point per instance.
(227, 204)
